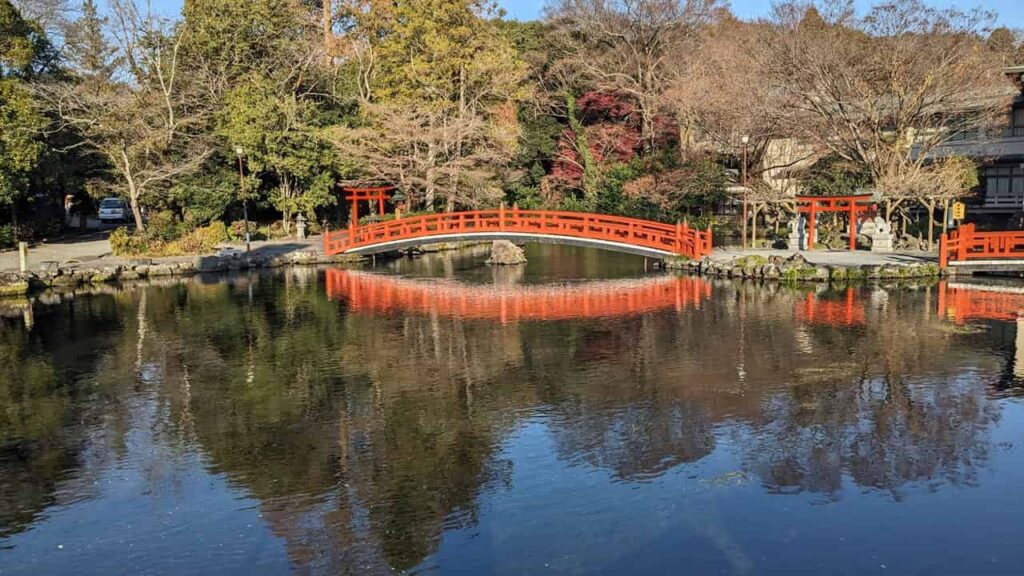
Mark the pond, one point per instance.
(584, 414)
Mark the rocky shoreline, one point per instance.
(76, 274)
(796, 268)
(73, 275)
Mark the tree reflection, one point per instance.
(366, 436)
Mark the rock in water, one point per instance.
(504, 252)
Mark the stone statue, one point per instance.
(881, 238)
(797, 234)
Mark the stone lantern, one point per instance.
(300, 226)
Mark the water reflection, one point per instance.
(963, 301)
(508, 302)
(372, 424)
(847, 311)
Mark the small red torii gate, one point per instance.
(854, 206)
(355, 194)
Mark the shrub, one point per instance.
(236, 232)
(7, 238)
(751, 261)
(275, 231)
(164, 226)
(199, 241)
(124, 243)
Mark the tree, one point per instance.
(143, 124)
(439, 83)
(87, 50)
(25, 51)
(1003, 42)
(280, 133)
(261, 68)
(229, 41)
(724, 98)
(22, 123)
(631, 47)
(886, 91)
(50, 15)
(25, 54)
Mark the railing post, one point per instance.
(710, 242)
(943, 250)
(501, 217)
(679, 237)
(964, 236)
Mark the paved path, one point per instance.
(84, 248)
(94, 250)
(832, 257)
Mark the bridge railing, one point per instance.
(966, 243)
(675, 238)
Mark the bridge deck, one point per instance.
(1007, 266)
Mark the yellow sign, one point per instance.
(959, 210)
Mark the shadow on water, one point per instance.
(370, 423)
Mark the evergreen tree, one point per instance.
(87, 49)
(25, 53)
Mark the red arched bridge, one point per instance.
(642, 237)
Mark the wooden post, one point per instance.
(853, 225)
(355, 213)
(943, 250)
(23, 256)
(679, 237)
(501, 216)
(812, 228)
(964, 237)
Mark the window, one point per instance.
(1004, 185)
(1016, 127)
(111, 203)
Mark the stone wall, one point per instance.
(53, 276)
(796, 268)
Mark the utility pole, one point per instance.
(245, 199)
(746, 140)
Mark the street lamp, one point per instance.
(245, 204)
(746, 141)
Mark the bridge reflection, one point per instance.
(962, 302)
(846, 312)
(965, 302)
(367, 292)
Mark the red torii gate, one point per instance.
(854, 206)
(377, 194)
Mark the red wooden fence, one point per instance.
(676, 239)
(966, 243)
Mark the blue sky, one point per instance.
(1010, 11)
